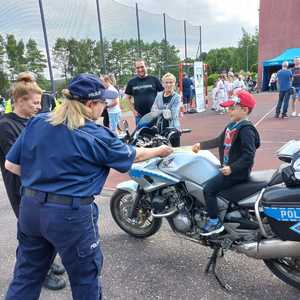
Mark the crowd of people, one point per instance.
(225, 86)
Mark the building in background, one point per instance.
(279, 36)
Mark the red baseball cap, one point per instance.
(242, 98)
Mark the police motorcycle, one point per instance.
(151, 131)
(261, 217)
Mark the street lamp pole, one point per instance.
(247, 58)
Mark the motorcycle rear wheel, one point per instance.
(286, 269)
(143, 226)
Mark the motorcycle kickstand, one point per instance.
(212, 263)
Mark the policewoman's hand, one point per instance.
(147, 153)
(164, 150)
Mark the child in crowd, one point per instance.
(214, 97)
(237, 146)
(113, 106)
(221, 94)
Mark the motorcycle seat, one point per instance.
(257, 181)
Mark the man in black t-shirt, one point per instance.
(143, 88)
(48, 102)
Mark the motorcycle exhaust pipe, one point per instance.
(268, 249)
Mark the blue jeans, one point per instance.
(284, 97)
(213, 187)
(72, 231)
(114, 119)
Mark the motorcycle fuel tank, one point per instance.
(189, 166)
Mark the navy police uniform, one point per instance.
(61, 171)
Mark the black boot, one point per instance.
(53, 282)
(57, 269)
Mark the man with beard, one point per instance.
(143, 89)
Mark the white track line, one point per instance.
(261, 119)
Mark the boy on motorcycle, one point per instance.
(237, 145)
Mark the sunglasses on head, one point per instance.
(235, 107)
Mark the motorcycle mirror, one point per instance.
(155, 129)
(186, 130)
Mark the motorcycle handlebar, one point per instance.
(186, 130)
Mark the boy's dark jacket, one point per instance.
(242, 151)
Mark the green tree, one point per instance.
(221, 59)
(35, 59)
(61, 55)
(248, 50)
(118, 61)
(98, 56)
(4, 83)
(2, 52)
(239, 58)
(15, 55)
(85, 56)
(76, 56)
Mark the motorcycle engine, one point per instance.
(172, 198)
(182, 222)
(159, 204)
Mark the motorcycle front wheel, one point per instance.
(286, 269)
(142, 226)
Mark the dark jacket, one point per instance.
(47, 103)
(242, 151)
(11, 127)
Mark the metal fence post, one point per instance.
(138, 29)
(47, 46)
(101, 37)
(200, 42)
(185, 45)
(165, 40)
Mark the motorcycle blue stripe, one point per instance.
(288, 214)
(138, 173)
(296, 228)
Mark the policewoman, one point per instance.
(63, 159)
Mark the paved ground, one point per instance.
(165, 266)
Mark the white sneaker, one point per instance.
(299, 115)
(294, 114)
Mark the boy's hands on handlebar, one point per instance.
(196, 148)
(226, 170)
(164, 150)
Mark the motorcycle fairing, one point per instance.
(188, 166)
(150, 177)
(130, 186)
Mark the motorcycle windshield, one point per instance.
(149, 119)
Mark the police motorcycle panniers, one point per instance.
(282, 208)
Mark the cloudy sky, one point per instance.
(221, 20)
